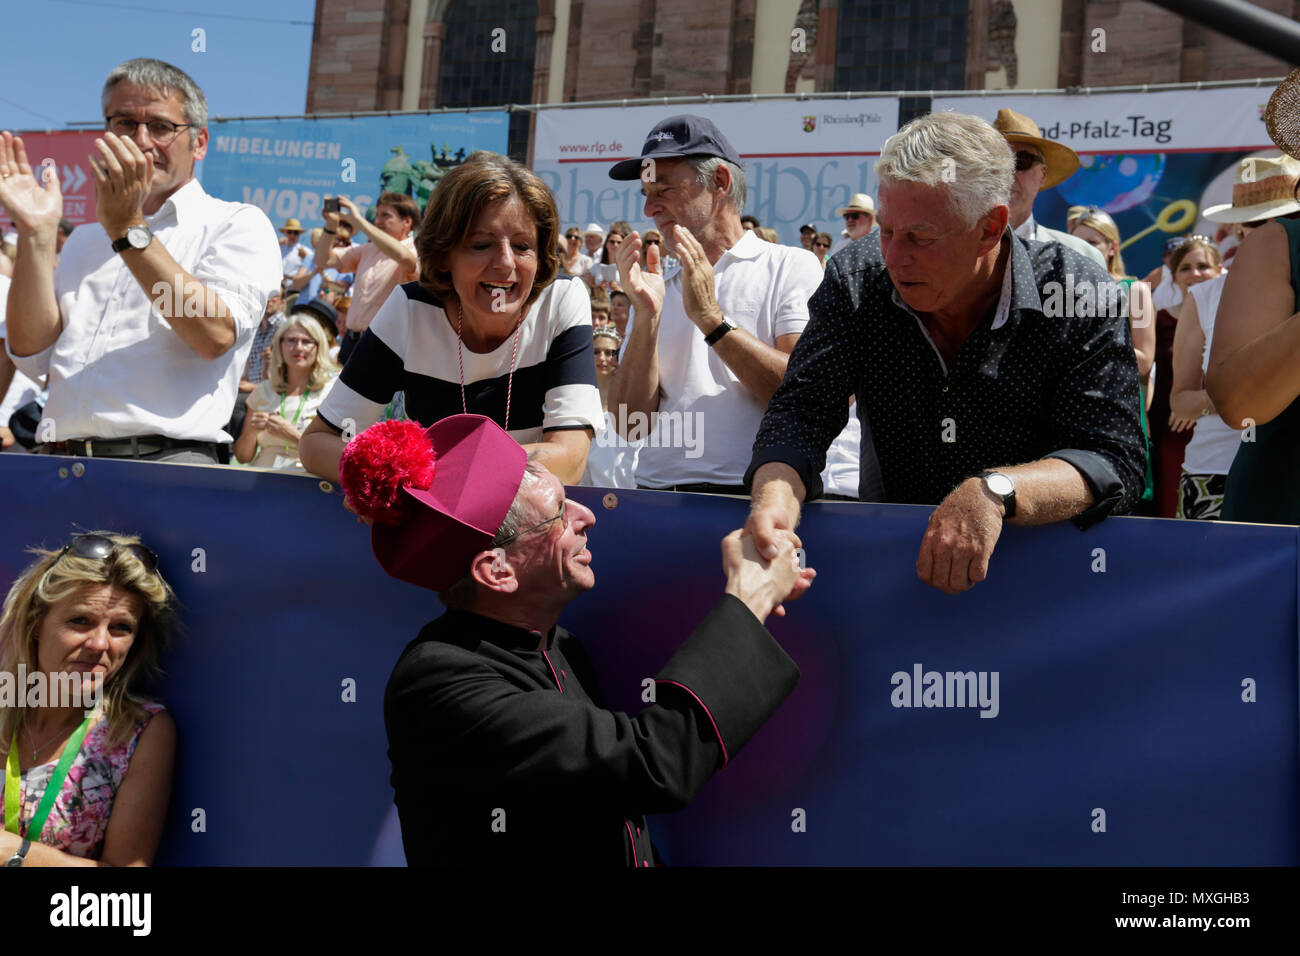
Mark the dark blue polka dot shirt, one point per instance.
(1035, 379)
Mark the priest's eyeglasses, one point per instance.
(564, 505)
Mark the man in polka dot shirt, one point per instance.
(996, 373)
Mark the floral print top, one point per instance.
(78, 821)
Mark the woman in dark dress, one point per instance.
(1194, 261)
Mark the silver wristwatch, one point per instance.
(17, 858)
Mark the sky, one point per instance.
(254, 62)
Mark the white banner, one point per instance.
(802, 159)
(1169, 121)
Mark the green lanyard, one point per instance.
(301, 402)
(13, 780)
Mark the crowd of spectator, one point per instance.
(700, 355)
(661, 370)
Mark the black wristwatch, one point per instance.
(1002, 486)
(17, 858)
(137, 237)
(725, 326)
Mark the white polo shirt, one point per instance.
(707, 419)
(118, 368)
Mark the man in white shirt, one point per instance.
(707, 349)
(1040, 164)
(146, 323)
(296, 255)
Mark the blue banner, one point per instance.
(286, 166)
(1125, 696)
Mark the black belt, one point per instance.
(137, 446)
(703, 487)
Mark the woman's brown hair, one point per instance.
(483, 179)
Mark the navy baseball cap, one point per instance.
(674, 138)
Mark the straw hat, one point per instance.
(1019, 128)
(291, 225)
(1263, 187)
(860, 202)
(1282, 115)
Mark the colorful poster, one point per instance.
(286, 167)
(1124, 696)
(1151, 160)
(802, 159)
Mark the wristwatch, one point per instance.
(723, 328)
(1002, 486)
(17, 858)
(137, 237)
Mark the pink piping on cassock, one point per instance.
(552, 667)
(628, 824)
(716, 732)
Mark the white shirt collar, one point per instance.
(185, 201)
(1027, 229)
(749, 246)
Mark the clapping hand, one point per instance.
(33, 209)
(123, 175)
(644, 287)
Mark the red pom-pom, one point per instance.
(379, 462)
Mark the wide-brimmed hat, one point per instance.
(1062, 162)
(291, 225)
(593, 229)
(1263, 187)
(1282, 115)
(674, 138)
(437, 496)
(860, 202)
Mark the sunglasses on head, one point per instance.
(99, 547)
(1024, 160)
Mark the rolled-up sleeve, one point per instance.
(811, 405)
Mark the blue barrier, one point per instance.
(1119, 692)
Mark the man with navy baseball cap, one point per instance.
(707, 347)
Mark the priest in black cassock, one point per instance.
(502, 752)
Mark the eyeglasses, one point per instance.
(161, 131)
(1024, 160)
(851, 216)
(652, 242)
(99, 547)
(304, 343)
(500, 542)
(823, 245)
(573, 237)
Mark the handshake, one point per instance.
(761, 584)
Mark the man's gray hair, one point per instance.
(706, 166)
(519, 517)
(961, 152)
(157, 75)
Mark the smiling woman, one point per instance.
(489, 328)
(88, 622)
